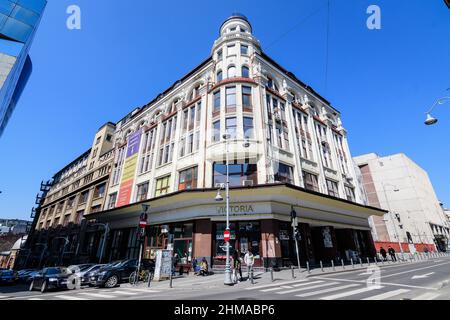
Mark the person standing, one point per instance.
(249, 260)
(391, 252)
(383, 253)
(237, 265)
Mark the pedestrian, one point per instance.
(195, 266)
(204, 267)
(391, 252)
(175, 263)
(383, 253)
(249, 260)
(237, 264)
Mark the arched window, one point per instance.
(245, 72)
(231, 72)
(219, 75)
(195, 92)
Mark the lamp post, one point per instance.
(295, 233)
(430, 120)
(246, 144)
(392, 216)
(142, 224)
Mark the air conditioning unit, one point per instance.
(247, 183)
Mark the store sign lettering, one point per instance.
(236, 209)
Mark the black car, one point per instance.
(86, 274)
(8, 276)
(113, 274)
(50, 278)
(26, 276)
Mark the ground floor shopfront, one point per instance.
(192, 224)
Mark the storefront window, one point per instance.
(182, 244)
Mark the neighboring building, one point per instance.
(19, 20)
(397, 183)
(287, 148)
(75, 192)
(14, 226)
(8, 258)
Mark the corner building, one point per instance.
(287, 148)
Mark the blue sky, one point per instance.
(126, 53)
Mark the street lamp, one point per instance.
(246, 144)
(430, 119)
(392, 216)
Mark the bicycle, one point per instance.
(144, 276)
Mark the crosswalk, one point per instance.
(96, 294)
(319, 289)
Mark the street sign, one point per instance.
(226, 235)
(142, 224)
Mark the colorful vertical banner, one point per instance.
(129, 169)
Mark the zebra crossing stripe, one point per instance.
(314, 293)
(142, 290)
(66, 297)
(276, 284)
(3, 297)
(124, 292)
(35, 299)
(97, 295)
(427, 296)
(351, 293)
(308, 288)
(387, 295)
(289, 287)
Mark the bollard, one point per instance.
(251, 275)
(353, 265)
(332, 264)
(150, 276)
(342, 262)
(321, 266)
(170, 280)
(360, 262)
(293, 274)
(307, 266)
(271, 274)
(368, 261)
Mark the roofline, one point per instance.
(72, 162)
(294, 78)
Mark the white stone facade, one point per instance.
(275, 121)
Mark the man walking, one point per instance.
(391, 252)
(249, 260)
(383, 253)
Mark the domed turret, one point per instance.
(236, 23)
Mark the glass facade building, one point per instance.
(19, 20)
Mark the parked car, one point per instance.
(50, 278)
(75, 268)
(8, 276)
(26, 275)
(113, 274)
(85, 274)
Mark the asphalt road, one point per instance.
(424, 280)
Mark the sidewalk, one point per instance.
(192, 282)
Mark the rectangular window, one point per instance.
(216, 109)
(162, 186)
(244, 49)
(310, 181)
(190, 143)
(230, 127)
(70, 203)
(182, 147)
(350, 193)
(247, 98)
(230, 99)
(216, 131)
(84, 197)
(112, 200)
(248, 127)
(142, 190)
(283, 173)
(188, 179)
(219, 54)
(332, 187)
(79, 216)
(99, 190)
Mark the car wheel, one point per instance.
(44, 287)
(111, 282)
(31, 286)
